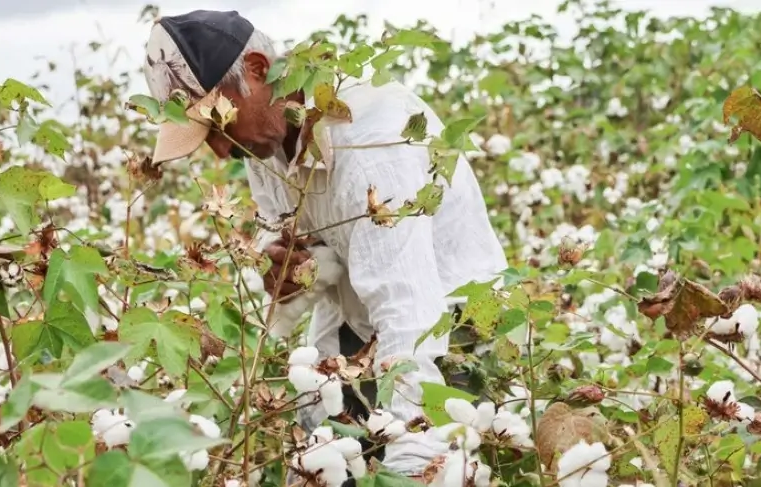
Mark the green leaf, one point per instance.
(18, 403)
(175, 112)
(443, 159)
(541, 310)
(636, 251)
(164, 437)
(74, 273)
(483, 306)
(140, 406)
(380, 78)
(414, 38)
(63, 325)
(92, 360)
(380, 476)
(49, 448)
(434, 396)
(512, 276)
(510, 320)
(575, 276)
(658, 365)
(9, 472)
(352, 62)
(80, 397)
(19, 193)
(14, 90)
(347, 430)
(112, 468)
(145, 105)
(52, 188)
(386, 383)
(457, 133)
(494, 82)
(4, 310)
(383, 59)
(276, 69)
(50, 138)
(441, 328)
(175, 338)
(732, 450)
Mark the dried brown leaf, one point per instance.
(561, 427)
(379, 213)
(684, 304)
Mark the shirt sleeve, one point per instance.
(394, 273)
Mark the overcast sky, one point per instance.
(35, 31)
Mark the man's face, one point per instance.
(260, 126)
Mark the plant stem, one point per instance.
(680, 406)
(8, 357)
(734, 357)
(532, 395)
(216, 391)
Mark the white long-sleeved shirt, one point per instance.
(397, 279)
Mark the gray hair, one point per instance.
(235, 76)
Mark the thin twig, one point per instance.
(734, 357)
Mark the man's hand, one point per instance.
(277, 252)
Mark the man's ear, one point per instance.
(257, 65)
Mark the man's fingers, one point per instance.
(278, 255)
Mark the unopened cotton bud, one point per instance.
(485, 413)
(460, 410)
(304, 356)
(295, 113)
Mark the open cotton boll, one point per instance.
(460, 410)
(721, 390)
(482, 477)
(332, 396)
(508, 424)
(465, 437)
(113, 428)
(378, 420)
(208, 427)
(305, 379)
(358, 467)
(326, 460)
(746, 412)
(195, 461)
(321, 434)
(457, 470)
(232, 483)
(589, 464)
(485, 412)
(744, 320)
(304, 356)
(349, 447)
(498, 144)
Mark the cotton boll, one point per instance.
(304, 356)
(329, 268)
(395, 429)
(378, 420)
(234, 483)
(195, 461)
(175, 395)
(349, 447)
(332, 397)
(498, 144)
(513, 426)
(485, 412)
(358, 467)
(591, 461)
(137, 372)
(482, 477)
(208, 427)
(464, 436)
(305, 379)
(460, 410)
(721, 390)
(746, 412)
(255, 477)
(328, 461)
(744, 320)
(321, 434)
(113, 429)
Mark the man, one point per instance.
(396, 279)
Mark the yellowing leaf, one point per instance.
(666, 436)
(744, 104)
(416, 127)
(326, 101)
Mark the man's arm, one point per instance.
(395, 275)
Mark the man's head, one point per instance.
(206, 54)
